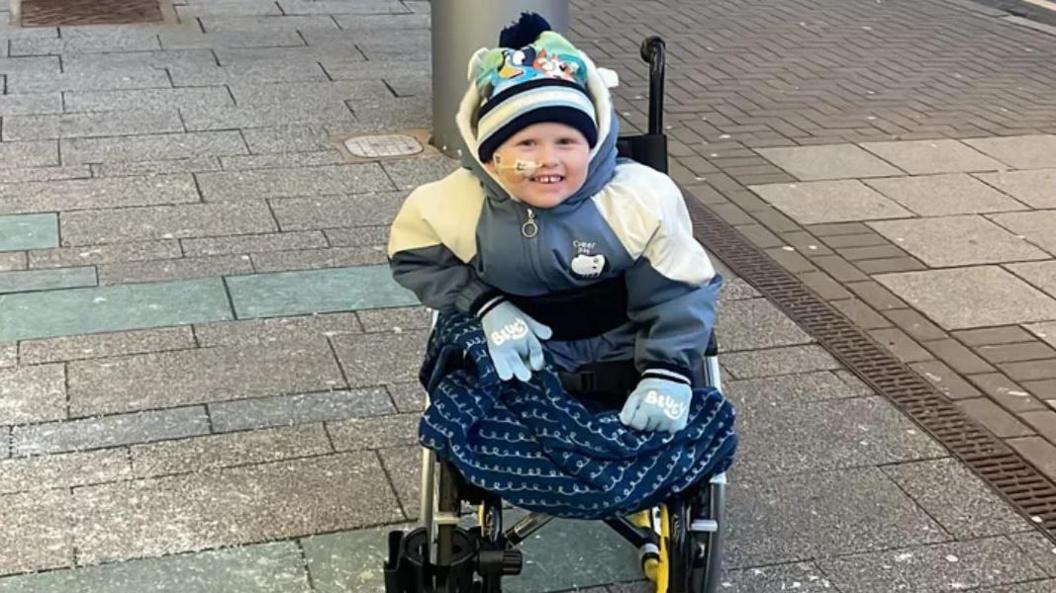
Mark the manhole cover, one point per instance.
(389, 145)
(54, 13)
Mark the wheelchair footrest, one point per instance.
(407, 571)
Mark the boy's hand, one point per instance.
(513, 341)
(657, 404)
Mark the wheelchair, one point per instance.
(679, 543)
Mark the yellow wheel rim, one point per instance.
(664, 566)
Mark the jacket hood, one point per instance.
(602, 157)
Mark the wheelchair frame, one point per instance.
(442, 557)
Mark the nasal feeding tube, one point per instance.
(522, 167)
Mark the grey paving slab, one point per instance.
(740, 322)
(173, 269)
(803, 576)
(282, 69)
(154, 168)
(283, 160)
(957, 241)
(1033, 188)
(105, 345)
(255, 57)
(28, 231)
(276, 329)
(779, 361)
(112, 308)
(152, 99)
(137, 59)
(294, 138)
(35, 526)
(13, 260)
(265, 568)
(403, 468)
(170, 379)
(28, 154)
(8, 358)
(800, 517)
(1034, 226)
(1045, 331)
(165, 222)
(84, 194)
(311, 259)
(394, 115)
(303, 408)
(410, 173)
(366, 7)
(229, 8)
(965, 506)
(227, 450)
(303, 181)
(79, 125)
(32, 394)
(942, 195)
(102, 254)
(152, 147)
(1038, 548)
(31, 104)
(84, 80)
(920, 157)
(1019, 152)
(338, 211)
(236, 23)
(347, 561)
(367, 359)
(946, 567)
(253, 243)
(222, 118)
(791, 389)
(33, 280)
(394, 430)
(834, 161)
(109, 431)
(340, 67)
(829, 201)
(74, 41)
(395, 320)
(190, 36)
(316, 291)
(979, 296)
(313, 94)
(230, 506)
(784, 437)
(1040, 274)
(409, 397)
(65, 470)
(36, 65)
(366, 235)
(44, 174)
(1048, 586)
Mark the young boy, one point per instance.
(557, 247)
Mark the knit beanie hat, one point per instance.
(535, 76)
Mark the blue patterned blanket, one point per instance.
(540, 449)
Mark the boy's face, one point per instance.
(562, 155)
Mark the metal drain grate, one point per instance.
(54, 13)
(1001, 467)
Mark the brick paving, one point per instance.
(215, 390)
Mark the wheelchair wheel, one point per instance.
(680, 565)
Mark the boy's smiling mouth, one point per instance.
(547, 179)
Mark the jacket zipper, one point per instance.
(529, 229)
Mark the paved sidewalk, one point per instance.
(207, 381)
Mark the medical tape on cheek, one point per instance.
(524, 168)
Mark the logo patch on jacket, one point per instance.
(585, 264)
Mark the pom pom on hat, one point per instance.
(535, 76)
(523, 32)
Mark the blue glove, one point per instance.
(657, 404)
(513, 340)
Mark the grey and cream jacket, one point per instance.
(614, 270)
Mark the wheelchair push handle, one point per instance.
(653, 52)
